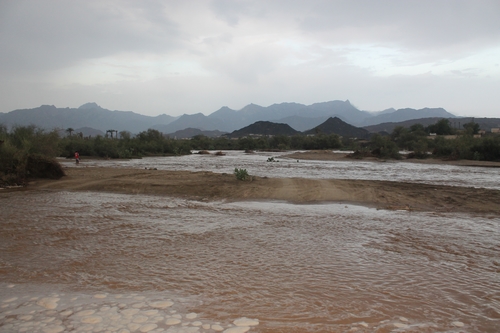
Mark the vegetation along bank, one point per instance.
(29, 152)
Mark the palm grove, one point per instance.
(29, 151)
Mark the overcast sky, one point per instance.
(176, 57)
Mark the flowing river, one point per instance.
(100, 262)
(257, 165)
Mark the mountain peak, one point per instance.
(263, 128)
(91, 105)
(335, 125)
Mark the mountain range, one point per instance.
(88, 115)
(299, 117)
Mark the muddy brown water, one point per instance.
(294, 268)
(256, 164)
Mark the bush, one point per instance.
(487, 149)
(383, 147)
(38, 166)
(241, 174)
(28, 152)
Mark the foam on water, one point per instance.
(55, 313)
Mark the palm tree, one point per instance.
(70, 130)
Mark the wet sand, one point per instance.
(208, 186)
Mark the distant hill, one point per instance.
(330, 126)
(88, 115)
(389, 127)
(485, 124)
(456, 122)
(197, 120)
(343, 110)
(337, 126)
(263, 128)
(190, 132)
(406, 114)
(390, 110)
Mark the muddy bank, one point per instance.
(212, 186)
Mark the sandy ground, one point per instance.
(208, 186)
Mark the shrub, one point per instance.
(27, 152)
(383, 147)
(487, 149)
(38, 166)
(241, 174)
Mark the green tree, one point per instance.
(201, 142)
(442, 127)
(471, 128)
(281, 142)
(125, 135)
(487, 148)
(383, 147)
(3, 132)
(400, 136)
(419, 129)
(247, 143)
(297, 142)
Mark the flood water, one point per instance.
(256, 164)
(99, 262)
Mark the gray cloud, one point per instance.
(40, 35)
(155, 56)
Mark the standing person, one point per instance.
(77, 157)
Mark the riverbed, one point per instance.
(108, 262)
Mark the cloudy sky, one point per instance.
(176, 57)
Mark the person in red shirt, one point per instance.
(77, 157)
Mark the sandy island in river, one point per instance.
(208, 186)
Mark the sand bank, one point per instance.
(208, 186)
